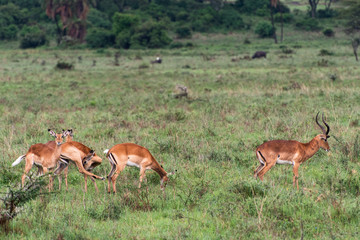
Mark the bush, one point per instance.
(326, 13)
(98, 19)
(308, 24)
(202, 19)
(251, 6)
(124, 22)
(176, 45)
(123, 39)
(231, 19)
(9, 32)
(99, 38)
(264, 29)
(151, 35)
(183, 32)
(32, 37)
(329, 32)
(286, 17)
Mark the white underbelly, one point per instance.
(132, 164)
(278, 161)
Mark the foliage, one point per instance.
(98, 19)
(308, 24)
(99, 38)
(230, 19)
(12, 14)
(202, 19)
(32, 37)
(124, 22)
(329, 32)
(251, 6)
(264, 29)
(327, 13)
(286, 17)
(183, 32)
(151, 35)
(9, 32)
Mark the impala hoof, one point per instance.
(103, 178)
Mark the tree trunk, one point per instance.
(355, 45)
(273, 24)
(59, 32)
(313, 5)
(282, 27)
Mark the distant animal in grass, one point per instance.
(259, 54)
(157, 60)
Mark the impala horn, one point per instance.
(327, 126)
(322, 128)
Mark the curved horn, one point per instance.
(327, 126)
(322, 128)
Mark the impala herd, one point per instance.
(55, 156)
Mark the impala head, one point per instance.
(322, 138)
(90, 161)
(68, 135)
(164, 180)
(58, 136)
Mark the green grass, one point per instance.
(209, 138)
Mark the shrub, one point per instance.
(9, 32)
(203, 19)
(98, 19)
(176, 45)
(150, 35)
(32, 37)
(329, 32)
(183, 32)
(324, 52)
(326, 13)
(264, 29)
(124, 22)
(286, 17)
(99, 38)
(308, 24)
(251, 6)
(231, 19)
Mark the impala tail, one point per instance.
(106, 151)
(17, 161)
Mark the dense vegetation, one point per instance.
(234, 104)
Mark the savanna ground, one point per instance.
(209, 137)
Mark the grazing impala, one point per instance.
(83, 157)
(43, 156)
(290, 152)
(133, 155)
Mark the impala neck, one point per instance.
(160, 170)
(311, 148)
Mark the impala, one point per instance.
(84, 158)
(290, 152)
(42, 156)
(68, 137)
(130, 154)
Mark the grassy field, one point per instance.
(209, 137)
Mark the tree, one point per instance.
(72, 14)
(273, 4)
(313, 6)
(328, 4)
(351, 13)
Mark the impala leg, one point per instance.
(60, 180)
(45, 170)
(96, 188)
(142, 175)
(28, 166)
(258, 169)
(85, 179)
(264, 170)
(83, 171)
(119, 169)
(66, 171)
(112, 171)
(296, 175)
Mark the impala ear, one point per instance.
(52, 133)
(327, 136)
